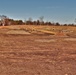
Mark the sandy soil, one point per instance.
(37, 54)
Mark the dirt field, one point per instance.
(37, 50)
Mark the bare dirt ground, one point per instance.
(33, 50)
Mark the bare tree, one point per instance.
(3, 17)
(30, 19)
(4, 20)
(41, 19)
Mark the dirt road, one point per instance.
(37, 55)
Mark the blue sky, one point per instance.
(62, 11)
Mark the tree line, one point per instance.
(5, 21)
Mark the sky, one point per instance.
(62, 11)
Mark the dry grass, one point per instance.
(52, 30)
